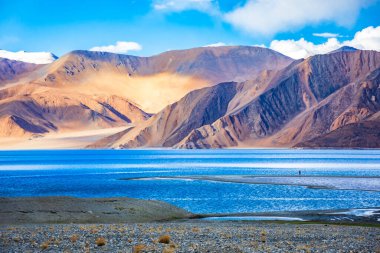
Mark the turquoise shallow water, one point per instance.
(96, 173)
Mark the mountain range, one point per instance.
(210, 97)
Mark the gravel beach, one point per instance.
(188, 236)
(65, 224)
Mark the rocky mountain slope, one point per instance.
(307, 99)
(154, 82)
(86, 90)
(11, 70)
(364, 134)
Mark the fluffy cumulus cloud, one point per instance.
(121, 47)
(181, 5)
(268, 17)
(31, 57)
(366, 39)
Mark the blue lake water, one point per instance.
(96, 173)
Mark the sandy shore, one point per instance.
(85, 210)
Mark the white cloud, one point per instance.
(268, 17)
(31, 57)
(218, 44)
(327, 35)
(366, 39)
(121, 47)
(181, 5)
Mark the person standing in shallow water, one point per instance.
(299, 173)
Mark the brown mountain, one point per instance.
(12, 70)
(92, 90)
(309, 98)
(154, 82)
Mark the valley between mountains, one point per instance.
(209, 97)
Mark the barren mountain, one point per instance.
(309, 98)
(86, 90)
(154, 82)
(11, 70)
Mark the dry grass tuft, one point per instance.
(263, 236)
(45, 245)
(195, 230)
(138, 248)
(100, 241)
(74, 238)
(164, 239)
(16, 239)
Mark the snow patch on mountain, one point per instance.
(30, 57)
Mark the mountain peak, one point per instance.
(344, 49)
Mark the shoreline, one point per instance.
(65, 210)
(71, 210)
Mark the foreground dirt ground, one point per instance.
(197, 236)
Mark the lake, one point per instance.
(97, 173)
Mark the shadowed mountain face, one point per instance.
(11, 70)
(307, 99)
(364, 134)
(86, 90)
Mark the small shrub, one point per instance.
(100, 241)
(74, 238)
(94, 231)
(45, 245)
(263, 236)
(195, 230)
(164, 239)
(138, 248)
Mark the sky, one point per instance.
(297, 28)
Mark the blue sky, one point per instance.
(161, 25)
